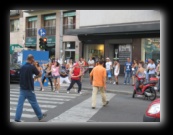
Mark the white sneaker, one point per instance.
(114, 83)
(80, 92)
(42, 90)
(67, 92)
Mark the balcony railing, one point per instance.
(68, 26)
(50, 30)
(30, 32)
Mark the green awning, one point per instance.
(13, 46)
(30, 19)
(69, 14)
(49, 17)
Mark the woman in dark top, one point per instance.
(47, 74)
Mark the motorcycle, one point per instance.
(145, 88)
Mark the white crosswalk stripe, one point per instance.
(46, 100)
(76, 113)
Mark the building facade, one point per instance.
(16, 31)
(119, 33)
(84, 33)
(55, 22)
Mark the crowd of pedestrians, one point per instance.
(66, 72)
(100, 72)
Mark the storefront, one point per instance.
(120, 41)
(150, 48)
(95, 51)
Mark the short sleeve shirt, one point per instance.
(151, 66)
(128, 66)
(108, 65)
(26, 76)
(91, 62)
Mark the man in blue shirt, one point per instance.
(27, 89)
(127, 71)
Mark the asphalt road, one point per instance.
(74, 107)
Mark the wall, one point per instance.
(17, 36)
(102, 17)
(136, 49)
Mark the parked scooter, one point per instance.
(145, 88)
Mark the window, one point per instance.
(31, 29)
(50, 24)
(69, 20)
(151, 48)
(14, 25)
(69, 45)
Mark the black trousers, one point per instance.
(50, 80)
(90, 69)
(73, 82)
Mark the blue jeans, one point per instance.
(109, 74)
(147, 77)
(127, 77)
(30, 96)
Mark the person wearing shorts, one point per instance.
(56, 76)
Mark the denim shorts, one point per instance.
(55, 77)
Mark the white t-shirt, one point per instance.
(151, 66)
(91, 62)
(108, 65)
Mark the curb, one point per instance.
(112, 91)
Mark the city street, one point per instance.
(74, 107)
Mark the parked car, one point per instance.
(14, 73)
(152, 113)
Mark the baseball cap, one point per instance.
(107, 58)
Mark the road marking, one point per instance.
(26, 109)
(51, 94)
(81, 112)
(44, 97)
(44, 106)
(39, 101)
(23, 115)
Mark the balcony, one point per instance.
(68, 26)
(50, 30)
(31, 32)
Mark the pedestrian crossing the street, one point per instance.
(81, 112)
(46, 99)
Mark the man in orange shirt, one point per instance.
(98, 80)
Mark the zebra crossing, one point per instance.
(47, 100)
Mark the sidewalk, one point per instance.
(120, 88)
